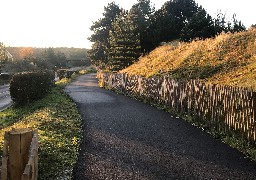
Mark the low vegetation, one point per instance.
(59, 124)
(228, 59)
(30, 86)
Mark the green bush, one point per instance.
(30, 86)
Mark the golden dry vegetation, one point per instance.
(228, 59)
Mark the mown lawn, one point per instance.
(60, 130)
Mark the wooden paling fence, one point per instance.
(20, 155)
(217, 108)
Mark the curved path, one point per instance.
(127, 139)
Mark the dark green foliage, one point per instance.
(140, 14)
(62, 73)
(200, 25)
(100, 37)
(70, 73)
(65, 73)
(110, 52)
(124, 41)
(222, 24)
(181, 11)
(161, 28)
(237, 25)
(30, 86)
(167, 22)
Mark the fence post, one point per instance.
(19, 144)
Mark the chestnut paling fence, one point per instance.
(217, 108)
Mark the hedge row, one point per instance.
(30, 86)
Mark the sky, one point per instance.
(66, 23)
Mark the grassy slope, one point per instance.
(228, 59)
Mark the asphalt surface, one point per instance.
(5, 98)
(127, 139)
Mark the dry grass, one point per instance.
(228, 59)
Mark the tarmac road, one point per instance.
(127, 139)
(5, 98)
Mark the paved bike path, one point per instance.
(127, 139)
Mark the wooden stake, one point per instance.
(20, 140)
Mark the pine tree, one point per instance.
(124, 42)
(200, 25)
(162, 28)
(167, 22)
(237, 25)
(140, 14)
(100, 37)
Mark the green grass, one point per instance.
(60, 130)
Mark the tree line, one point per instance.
(33, 59)
(121, 36)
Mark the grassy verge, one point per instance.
(59, 124)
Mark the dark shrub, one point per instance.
(30, 86)
(62, 73)
(70, 73)
(65, 73)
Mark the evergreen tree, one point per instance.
(237, 25)
(181, 10)
(167, 22)
(100, 36)
(162, 28)
(140, 14)
(222, 24)
(97, 54)
(200, 25)
(124, 42)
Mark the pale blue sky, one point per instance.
(65, 23)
